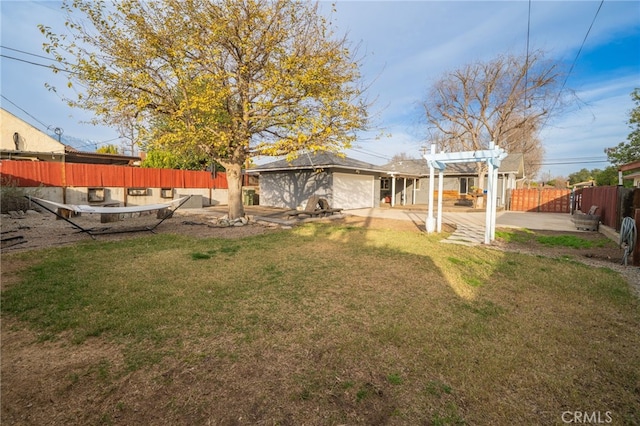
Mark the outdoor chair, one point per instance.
(589, 221)
(311, 209)
(326, 208)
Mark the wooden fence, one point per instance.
(614, 202)
(38, 173)
(540, 200)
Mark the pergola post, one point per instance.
(430, 222)
(493, 156)
(440, 193)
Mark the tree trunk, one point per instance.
(234, 181)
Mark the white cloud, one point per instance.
(407, 45)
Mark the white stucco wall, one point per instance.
(29, 138)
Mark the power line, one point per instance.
(14, 104)
(37, 56)
(26, 53)
(51, 67)
(584, 40)
(561, 163)
(371, 153)
(575, 60)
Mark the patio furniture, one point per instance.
(589, 221)
(326, 208)
(311, 209)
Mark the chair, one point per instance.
(589, 221)
(326, 208)
(311, 209)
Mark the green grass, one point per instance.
(572, 241)
(327, 325)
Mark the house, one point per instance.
(350, 184)
(346, 183)
(407, 181)
(21, 141)
(41, 165)
(634, 169)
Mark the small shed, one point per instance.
(346, 183)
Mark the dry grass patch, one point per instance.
(324, 324)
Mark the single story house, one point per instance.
(407, 181)
(349, 184)
(345, 183)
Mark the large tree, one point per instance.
(231, 79)
(503, 100)
(628, 152)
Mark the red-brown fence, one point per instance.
(607, 198)
(38, 173)
(541, 200)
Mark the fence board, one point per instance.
(606, 198)
(540, 200)
(37, 173)
(32, 173)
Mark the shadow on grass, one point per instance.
(324, 324)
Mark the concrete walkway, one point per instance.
(470, 225)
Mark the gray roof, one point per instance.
(317, 160)
(513, 163)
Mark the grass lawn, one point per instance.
(322, 324)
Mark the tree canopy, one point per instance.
(230, 79)
(108, 149)
(503, 100)
(628, 152)
(606, 177)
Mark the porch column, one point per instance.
(404, 191)
(393, 190)
(413, 193)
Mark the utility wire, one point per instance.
(37, 56)
(371, 153)
(581, 46)
(575, 60)
(13, 103)
(51, 67)
(26, 53)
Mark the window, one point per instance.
(137, 192)
(166, 193)
(95, 195)
(418, 184)
(385, 183)
(465, 185)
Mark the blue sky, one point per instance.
(407, 45)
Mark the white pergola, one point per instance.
(493, 156)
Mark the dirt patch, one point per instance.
(35, 230)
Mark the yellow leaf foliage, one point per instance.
(229, 78)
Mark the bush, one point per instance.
(12, 196)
